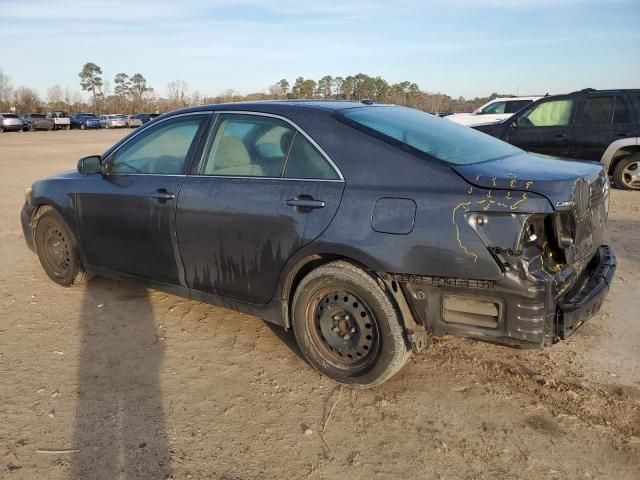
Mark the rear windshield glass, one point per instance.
(8, 115)
(437, 137)
(37, 115)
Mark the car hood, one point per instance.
(559, 180)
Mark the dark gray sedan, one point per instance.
(366, 229)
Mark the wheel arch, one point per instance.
(618, 150)
(306, 264)
(302, 267)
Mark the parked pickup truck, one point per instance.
(598, 125)
(61, 120)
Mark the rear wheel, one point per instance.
(82, 126)
(347, 326)
(30, 127)
(68, 127)
(626, 174)
(56, 248)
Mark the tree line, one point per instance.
(131, 93)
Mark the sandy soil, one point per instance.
(147, 385)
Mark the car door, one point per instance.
(603, 119)
(126, 216)
(545, 127)
(262, 190)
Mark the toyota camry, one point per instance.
(366, 229)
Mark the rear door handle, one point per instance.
(623, 134)
(561, 135)
(162, 195)
(305, 204)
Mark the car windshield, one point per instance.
(420, 132)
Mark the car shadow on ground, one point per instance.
(119, 423)
(287, 337)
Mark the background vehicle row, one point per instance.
(596, 125)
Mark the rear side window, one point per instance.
(248, 146)
(598, 110)
(551, 113)
(620, 112)
(305, 161)
(419, 132)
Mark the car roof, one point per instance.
(280, 106)
(512, 99)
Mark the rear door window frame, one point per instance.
(208, 137)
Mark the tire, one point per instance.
(68, 127)
(82, 126)
(56, 248)
(347, 326)
(30, 127)
(626, 174)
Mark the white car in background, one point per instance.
(496, 110)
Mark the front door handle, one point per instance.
(561, 135)
(305, 203)
(162, 195)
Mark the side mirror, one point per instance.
(90, 165)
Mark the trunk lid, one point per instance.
(577, 190)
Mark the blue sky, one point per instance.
(459, 47)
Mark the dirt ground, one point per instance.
(147, 385)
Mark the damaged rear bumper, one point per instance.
(585, 300)
(523, 312)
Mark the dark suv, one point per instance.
(599, 125)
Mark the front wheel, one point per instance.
(82, 126)
(626, 174)
(56, 248)
(347, 326)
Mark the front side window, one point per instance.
(419, 132)
(551, 113)
(248, 146)
(493, 108)
(162, 149)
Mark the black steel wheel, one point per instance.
(347, 326)
(344, 328)
(56, 248)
